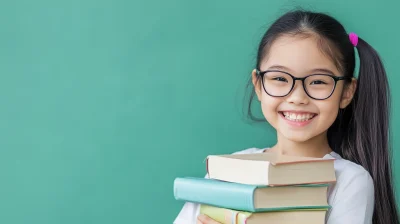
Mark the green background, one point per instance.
(104, 103)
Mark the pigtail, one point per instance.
(364, 131)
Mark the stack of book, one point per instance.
(261, 188)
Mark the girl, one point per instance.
(304, 81)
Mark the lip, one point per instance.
(297, 111)
(297, 123)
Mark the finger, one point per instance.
(199, 222)
(206, 220)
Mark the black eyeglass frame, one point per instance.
(335, 78)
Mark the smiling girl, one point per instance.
(304, 80)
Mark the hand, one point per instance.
(203, 219)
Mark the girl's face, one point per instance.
(297, 117)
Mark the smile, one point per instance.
(297, 119)
(298, 116)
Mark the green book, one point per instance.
(298, 216)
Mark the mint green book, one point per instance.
(251, 198)
(297, 216)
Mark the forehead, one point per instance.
(299, 54)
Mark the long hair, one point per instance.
(360, 132)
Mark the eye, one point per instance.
(317, 82)
(280, 79)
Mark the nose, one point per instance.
(298, 95)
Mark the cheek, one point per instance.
(269, 107)
(328, 112)
(330, 106)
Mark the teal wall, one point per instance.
(104, 103)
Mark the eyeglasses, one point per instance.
(317, 86)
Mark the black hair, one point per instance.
(360, 132)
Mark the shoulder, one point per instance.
(349, 172)
(352, 196)
(249, 151)
(352, 180)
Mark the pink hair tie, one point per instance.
(353, 39)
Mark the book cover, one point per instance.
(250, 198)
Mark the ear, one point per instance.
(256, 84)
(348, 94)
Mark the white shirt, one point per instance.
(351, 198)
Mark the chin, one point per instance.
(297, 137)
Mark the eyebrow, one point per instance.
(316, 70)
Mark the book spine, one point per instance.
(215, 193)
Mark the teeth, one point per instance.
(298, 117)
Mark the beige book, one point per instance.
(270, 169)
